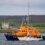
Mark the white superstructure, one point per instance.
(5, 25)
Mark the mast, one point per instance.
(27, 18)
(28, 14)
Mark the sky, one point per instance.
(20, 7)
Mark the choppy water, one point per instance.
(3, 41)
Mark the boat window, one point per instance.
(23, 31)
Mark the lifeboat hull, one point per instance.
(29, 39)
(11, 38)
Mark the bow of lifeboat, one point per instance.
(33, 32)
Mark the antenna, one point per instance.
(26, 17)
(28, 7)
(28, 13)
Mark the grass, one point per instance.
(40, 29)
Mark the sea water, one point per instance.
(3, 41)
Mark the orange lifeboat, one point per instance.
(22, 31)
